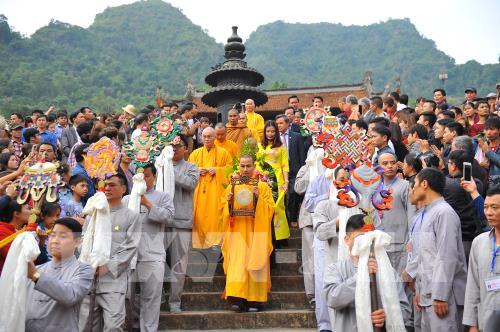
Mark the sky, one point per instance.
(463, 29)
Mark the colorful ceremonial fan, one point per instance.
(313, 118)
(102, 160)
(39, 183)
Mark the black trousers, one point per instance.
(292, 202)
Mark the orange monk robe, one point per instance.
(247, 246)
(238, 134)
(255, 122)
(207, 226)
(229, 146)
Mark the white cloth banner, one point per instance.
(14, 282)
(386, 283)
(165, 180)
(138, 189)
(96, 244)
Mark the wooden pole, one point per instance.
(373, 288)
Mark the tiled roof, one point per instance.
(278, 99)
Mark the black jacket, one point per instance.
(463, 204)
(296, 153)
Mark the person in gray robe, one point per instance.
(59, 286)
(397, 220)
(441, 266)
(157, 210)
(482, 294)
(112, 282)
(305, 225)
(340, 285)
(178, 237)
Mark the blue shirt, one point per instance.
(49, 137)
(71, 208)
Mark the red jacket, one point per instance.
(6, 229)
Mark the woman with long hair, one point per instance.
(8, 163)
(272, 153)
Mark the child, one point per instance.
(64, 192)
(73, 207)
(48, 215)
(340, 284)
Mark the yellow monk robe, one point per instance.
(247, 245)
(255, 122)
(238, 134)
(277, 158)
(207, 227)
(229, 146)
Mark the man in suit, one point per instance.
(296, 159)
(69, 136)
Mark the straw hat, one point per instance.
(130, 109)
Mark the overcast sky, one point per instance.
(463, 29)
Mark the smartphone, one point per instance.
(360, 109)
(467, 171)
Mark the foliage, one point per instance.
(129, 50)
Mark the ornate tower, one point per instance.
(233, 81)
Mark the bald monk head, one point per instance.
(389, 163)
(220, 132)
(247, 165)
(232, 117)
(249, 105)
(208, 137)
(242, 120)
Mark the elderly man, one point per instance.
(222, 142)
(212, 162)
(236, 132)
(255, 122)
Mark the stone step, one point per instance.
(217, 284)
(213, 301)
(222, 319)
(215, 269)
(285, 255)
(250, 330)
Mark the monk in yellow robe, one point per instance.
(236, 132)
(247, 243)
(255, 122)
(212, 162)
(221, 141)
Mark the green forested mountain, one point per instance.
(131, 49)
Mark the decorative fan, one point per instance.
(102, 159)
(313, 118)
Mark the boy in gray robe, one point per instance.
(340, 284)
(60, 285)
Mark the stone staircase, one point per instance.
(203, 309)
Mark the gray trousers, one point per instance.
(109, 312)
(150, 279)
(398, 260)
(178, 244)
(308, 260)
(432, 323)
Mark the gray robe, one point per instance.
(54, 301)
(340, 289)
(397, 222)
(151, 246)
(441, 271)
(125, 237)
(481, 304)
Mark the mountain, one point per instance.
(120, 59)
(326, 53)
(129, 50)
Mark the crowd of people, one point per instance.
(240, 187)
